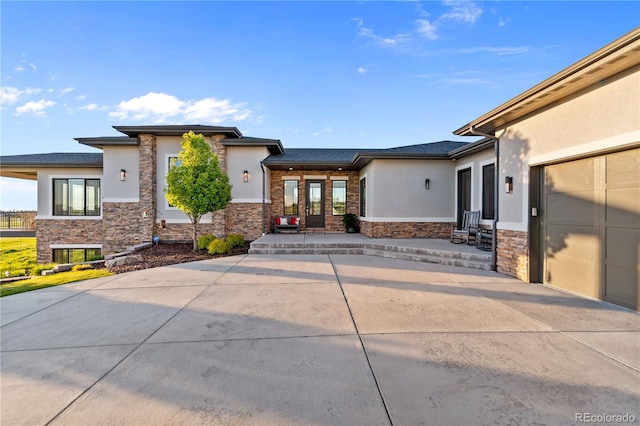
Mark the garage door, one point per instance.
(592, 227)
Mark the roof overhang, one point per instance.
(101, 142)
(273, 145)
(178, 130)
(310, 165)
(615, 58)
(472, 148)
(361, 159)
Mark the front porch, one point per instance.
(429, 250)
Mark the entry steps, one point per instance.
(420, 250)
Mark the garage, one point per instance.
(591, 227)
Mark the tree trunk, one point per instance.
(195, 236)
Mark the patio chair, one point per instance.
(469, 228)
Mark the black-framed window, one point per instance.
(76, 255)
(291, 197)
(339, 197)
(76, 197)
(488, 191)
(363, 197)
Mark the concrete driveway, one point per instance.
(315, 339)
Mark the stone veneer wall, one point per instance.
(245, 219)
(124, 226)
(512, 250)
(331, 223)
(65, 231)
(406, 229)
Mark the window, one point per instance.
(291, 197)
(488, 191)
(72, 255)
(172, 161)
(76, 197)
(339, 197)
(363, 197)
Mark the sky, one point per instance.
(340, 74)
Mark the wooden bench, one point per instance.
(287, 222)
(469, 228)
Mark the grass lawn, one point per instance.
(51, 280)
(16, 255)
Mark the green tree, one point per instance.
(195, 184)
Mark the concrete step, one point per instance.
(451, 257)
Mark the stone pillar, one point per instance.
(220, 217)
(148, 184)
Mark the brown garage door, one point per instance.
(592, 227)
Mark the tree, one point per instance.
(195, 183)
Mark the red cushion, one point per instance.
(294, 220)
(278, 221)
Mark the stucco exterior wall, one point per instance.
(116, 158)
(595, 120)
(396, 191)
(240, 159)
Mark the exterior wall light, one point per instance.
(427, 184)
(123, 174)
(246, 176)
(508, 184)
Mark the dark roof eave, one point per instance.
(273, 145)
(367, 157)
(472, 148)
(101, 142)
(179, 130)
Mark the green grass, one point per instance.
(51, 280)
(16, 255)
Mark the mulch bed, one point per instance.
(171, 254)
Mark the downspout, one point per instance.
(496, 191)
(264, 206)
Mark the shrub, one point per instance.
(37, 270)
(219, 247)
(93, 258)
(235, 240)
(81, 267)
(205, 240)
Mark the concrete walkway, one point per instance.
(315, 339)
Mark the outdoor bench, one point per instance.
(287, 222)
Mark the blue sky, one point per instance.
(312, 74)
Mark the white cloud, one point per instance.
(427, 29)
(161, 107)
(37, 108)
(362, 70)
(81, 97)
(502, 21)
(326, 130)
(66, 90)
(10, 95)
(398, 39)
(466, 11)
(33, 67)
(88, 107)
(19, 68)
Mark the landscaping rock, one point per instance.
(63, 267)
(125, 260)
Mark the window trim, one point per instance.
(84, 178)
(167, 166)
(68, 248)
(483, 188)
(333, 188)
(362, 192)
(284, 197)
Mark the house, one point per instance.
(556, 175)
(568, 154)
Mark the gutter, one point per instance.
(264, 206)
(496, 191)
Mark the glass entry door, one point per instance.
(315, 204)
